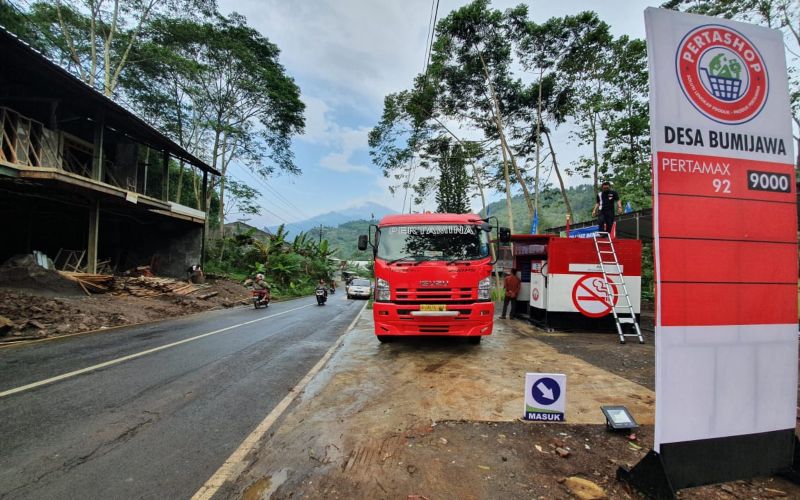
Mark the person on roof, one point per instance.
(604, 208)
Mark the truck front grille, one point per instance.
(434, 295)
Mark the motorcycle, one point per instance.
(261, 298)
(333, 290)
(322, 296)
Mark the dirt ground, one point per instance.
(439, 419)
(42, 313)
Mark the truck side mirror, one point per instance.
(504, 234)
(363, 242)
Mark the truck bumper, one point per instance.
(473, 319)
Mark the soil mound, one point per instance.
(22, 272)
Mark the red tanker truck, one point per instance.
(432, 275)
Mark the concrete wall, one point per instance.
(169, 246)
(178, 251)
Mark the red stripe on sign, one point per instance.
(701, 217)
(704, 304)
(718, 177)
(728, 261)
(565, 251)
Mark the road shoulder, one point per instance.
(406, 418)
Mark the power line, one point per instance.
(288, 204)
(428, 40)
(285, 200)
(291, 207)
(428, 51)
(263, 184)
(431, 38)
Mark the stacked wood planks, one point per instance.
(140, 286)
(146, 286)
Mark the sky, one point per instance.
(346, 56)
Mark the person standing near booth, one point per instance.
(511, 284)
(604, 208)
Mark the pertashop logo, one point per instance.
(722, 74)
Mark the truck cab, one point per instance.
(432, 276)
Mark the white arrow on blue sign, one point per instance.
(545, 397)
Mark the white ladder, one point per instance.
(623, 311)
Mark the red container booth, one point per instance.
(563, 285)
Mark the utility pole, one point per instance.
(320, 234)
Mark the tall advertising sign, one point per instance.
(725, 228)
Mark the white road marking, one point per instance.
(136, 355)
(235, 464)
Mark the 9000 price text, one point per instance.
(769, 181)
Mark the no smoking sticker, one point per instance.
(590, 295)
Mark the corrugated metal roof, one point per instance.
(14, 50)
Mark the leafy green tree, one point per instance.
(585, 66)
(451, 195)
(777, 14)
(626, 155)
(243, 199)
(254, 107)
(162, 80)
(218, 87)
(95, 38)
(472, 66)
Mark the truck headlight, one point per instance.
(485, 289)
(382, 291)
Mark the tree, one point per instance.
(219, 83)
(777, 14)
(585, 66)
(95, 37)
(451, 195)
(162, 80)
(626, 156)
(472, 65)
(242, 198)
(254, 107)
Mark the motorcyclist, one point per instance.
(260, 283)
(322, 286)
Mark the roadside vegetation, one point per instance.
(499, 84)
(292, 269)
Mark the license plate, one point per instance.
(432, 307)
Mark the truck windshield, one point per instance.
(432, 242)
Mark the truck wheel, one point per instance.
(474, 340)
(384, 339)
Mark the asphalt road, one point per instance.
(160, 424)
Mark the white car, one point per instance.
(359, 287)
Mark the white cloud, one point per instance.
(360, 50)
(346, 55)
(340, 162)
(342, 141)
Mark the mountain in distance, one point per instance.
(363, 211)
